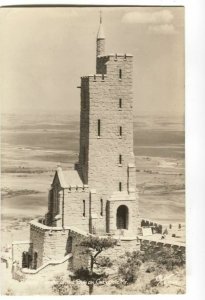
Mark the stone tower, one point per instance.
(106, 160)
(99, 195)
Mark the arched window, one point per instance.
(83, 208)
(120, 73)
(120, 186)
(120, 159)
(101, 207)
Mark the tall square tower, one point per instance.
(106, 160)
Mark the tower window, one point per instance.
(99, 127)
(120, 159)
(83, 208)
(120, 186)
(101, 207)
(120, 103)
(120, 131)
(120, 73)
(84, 154)
(83, 97)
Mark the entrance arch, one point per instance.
(122, 217)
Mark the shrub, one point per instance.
(180, 291)
(167, 257)
(63, 286)
(154, 282)
(148, 290)
(150, 269)
(128, 272)
(9, 292)
(105, 262)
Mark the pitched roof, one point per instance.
(69, 178)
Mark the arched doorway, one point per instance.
(122, 217)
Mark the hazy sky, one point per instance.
(45, 51)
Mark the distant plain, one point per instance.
(33, 145)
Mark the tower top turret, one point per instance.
(100, 34)
(100, 39)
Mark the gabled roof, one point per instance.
(69, 178)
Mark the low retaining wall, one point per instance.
(145, 243)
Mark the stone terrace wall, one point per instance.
(49, 242)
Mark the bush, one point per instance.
(105, 262)
(150, 269)
(148, 290)
(128, 272)
(180, 291)
(154, 282)
(9, 292)
(63, 286)
(167, 257)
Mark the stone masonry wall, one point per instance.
(37, 237)
(100, 46)
(84, 130)
(73, 209)
(80, 257)
(100, 155)
(50, 244)
(104, 170)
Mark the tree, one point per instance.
(94, 246)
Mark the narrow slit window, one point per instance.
(120, 73)
(84, 154)
(101, 207)
(120, 186)
(120, 130)
(99, 127)
(120, 103)
(83, 208)
(120, 159)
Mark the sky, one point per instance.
(44, 52)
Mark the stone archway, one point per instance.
(122, 217)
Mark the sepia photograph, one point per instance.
(92, 150)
